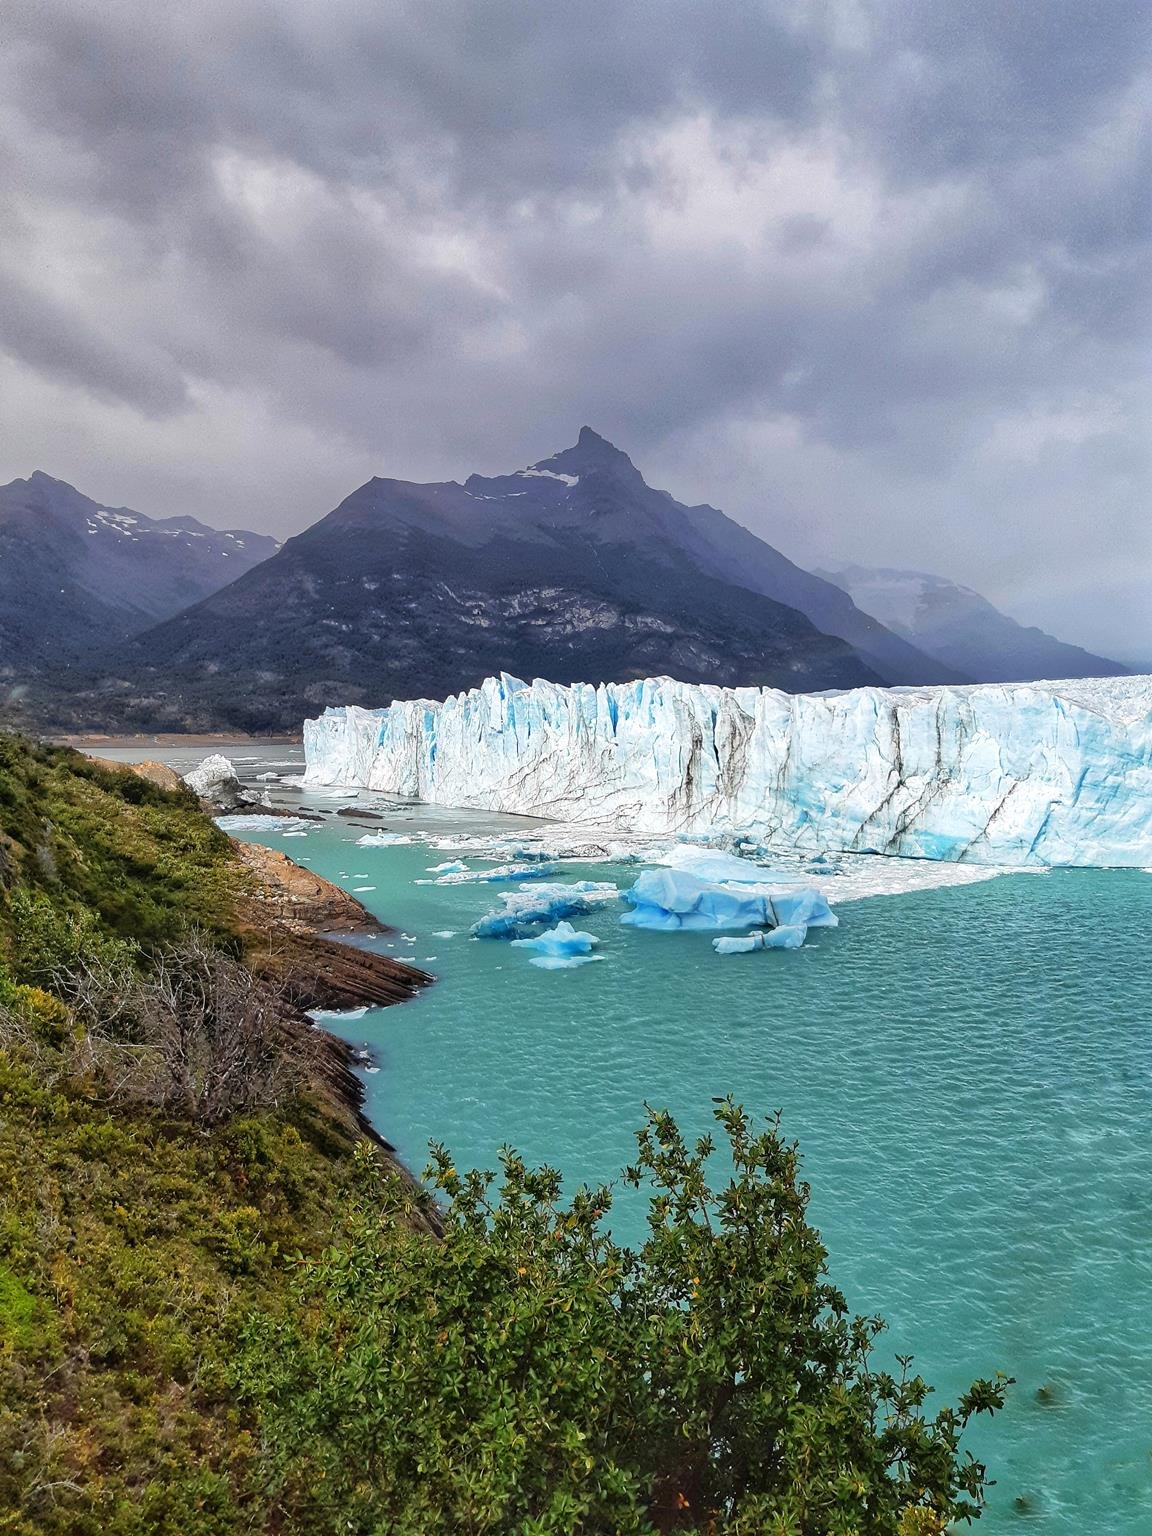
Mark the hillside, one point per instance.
(963, 630)
(135, 1235)
(76, 576)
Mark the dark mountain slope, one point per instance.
(75, 575)
(963, 630)
(573, 569)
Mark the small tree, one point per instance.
(528, 1375)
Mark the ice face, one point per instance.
(1016, 774)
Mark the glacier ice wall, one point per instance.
(1038, 773)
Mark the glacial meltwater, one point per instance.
(968, 1071)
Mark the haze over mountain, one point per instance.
(76, 576)
(963, 630)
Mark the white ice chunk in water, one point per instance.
(562, 962)
(449, 867)
(245, 822)
(561, 940)
(498, 873)
(790, 936)
(383, 840)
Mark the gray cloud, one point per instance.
(871, 275)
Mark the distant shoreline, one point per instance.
(172, 739)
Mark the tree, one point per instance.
(529, 1375)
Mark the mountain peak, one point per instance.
(590, 453)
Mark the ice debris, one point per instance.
(789, 936)
(383, 840)
(530, 907)
(498, 874)
(258, 823)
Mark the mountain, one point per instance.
(76, 575)
(963, 630)
(572, 569)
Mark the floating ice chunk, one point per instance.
(293, 834)
(265, 778)
(257, 823)
(450, 867)
(532, 906)
(788, 936)
(670, 899)
(561, 940)
(383, 840)
(731, 945)
(358, 889)
(444, 933)
(499, 873)
(562, 962)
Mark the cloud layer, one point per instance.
(870, 274)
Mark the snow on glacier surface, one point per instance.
(1048, 773)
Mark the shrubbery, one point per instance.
(528, 1375)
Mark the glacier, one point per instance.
(1019, 774)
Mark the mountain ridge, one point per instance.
(77, 575)
(959, 627)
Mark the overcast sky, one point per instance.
(871, 275)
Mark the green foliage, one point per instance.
(87, 853)
(129, 1249)
(531, 1376)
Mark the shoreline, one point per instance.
(307, 927)
(83, 739)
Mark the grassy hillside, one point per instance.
(131, 1242)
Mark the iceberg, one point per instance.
(670, 899)
(533, 906)
(1018, 774)
(561, 948)
(214, 773)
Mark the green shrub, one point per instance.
(528, 1375)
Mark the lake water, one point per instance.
(968, 1072)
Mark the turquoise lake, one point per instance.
(968, 1071)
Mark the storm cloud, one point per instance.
(872, 275)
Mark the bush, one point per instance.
(196, 1035)
(529, 1375)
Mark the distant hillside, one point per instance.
(963, 630)
(572, 569)
(75, 575)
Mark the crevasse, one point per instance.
(1028, 773)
